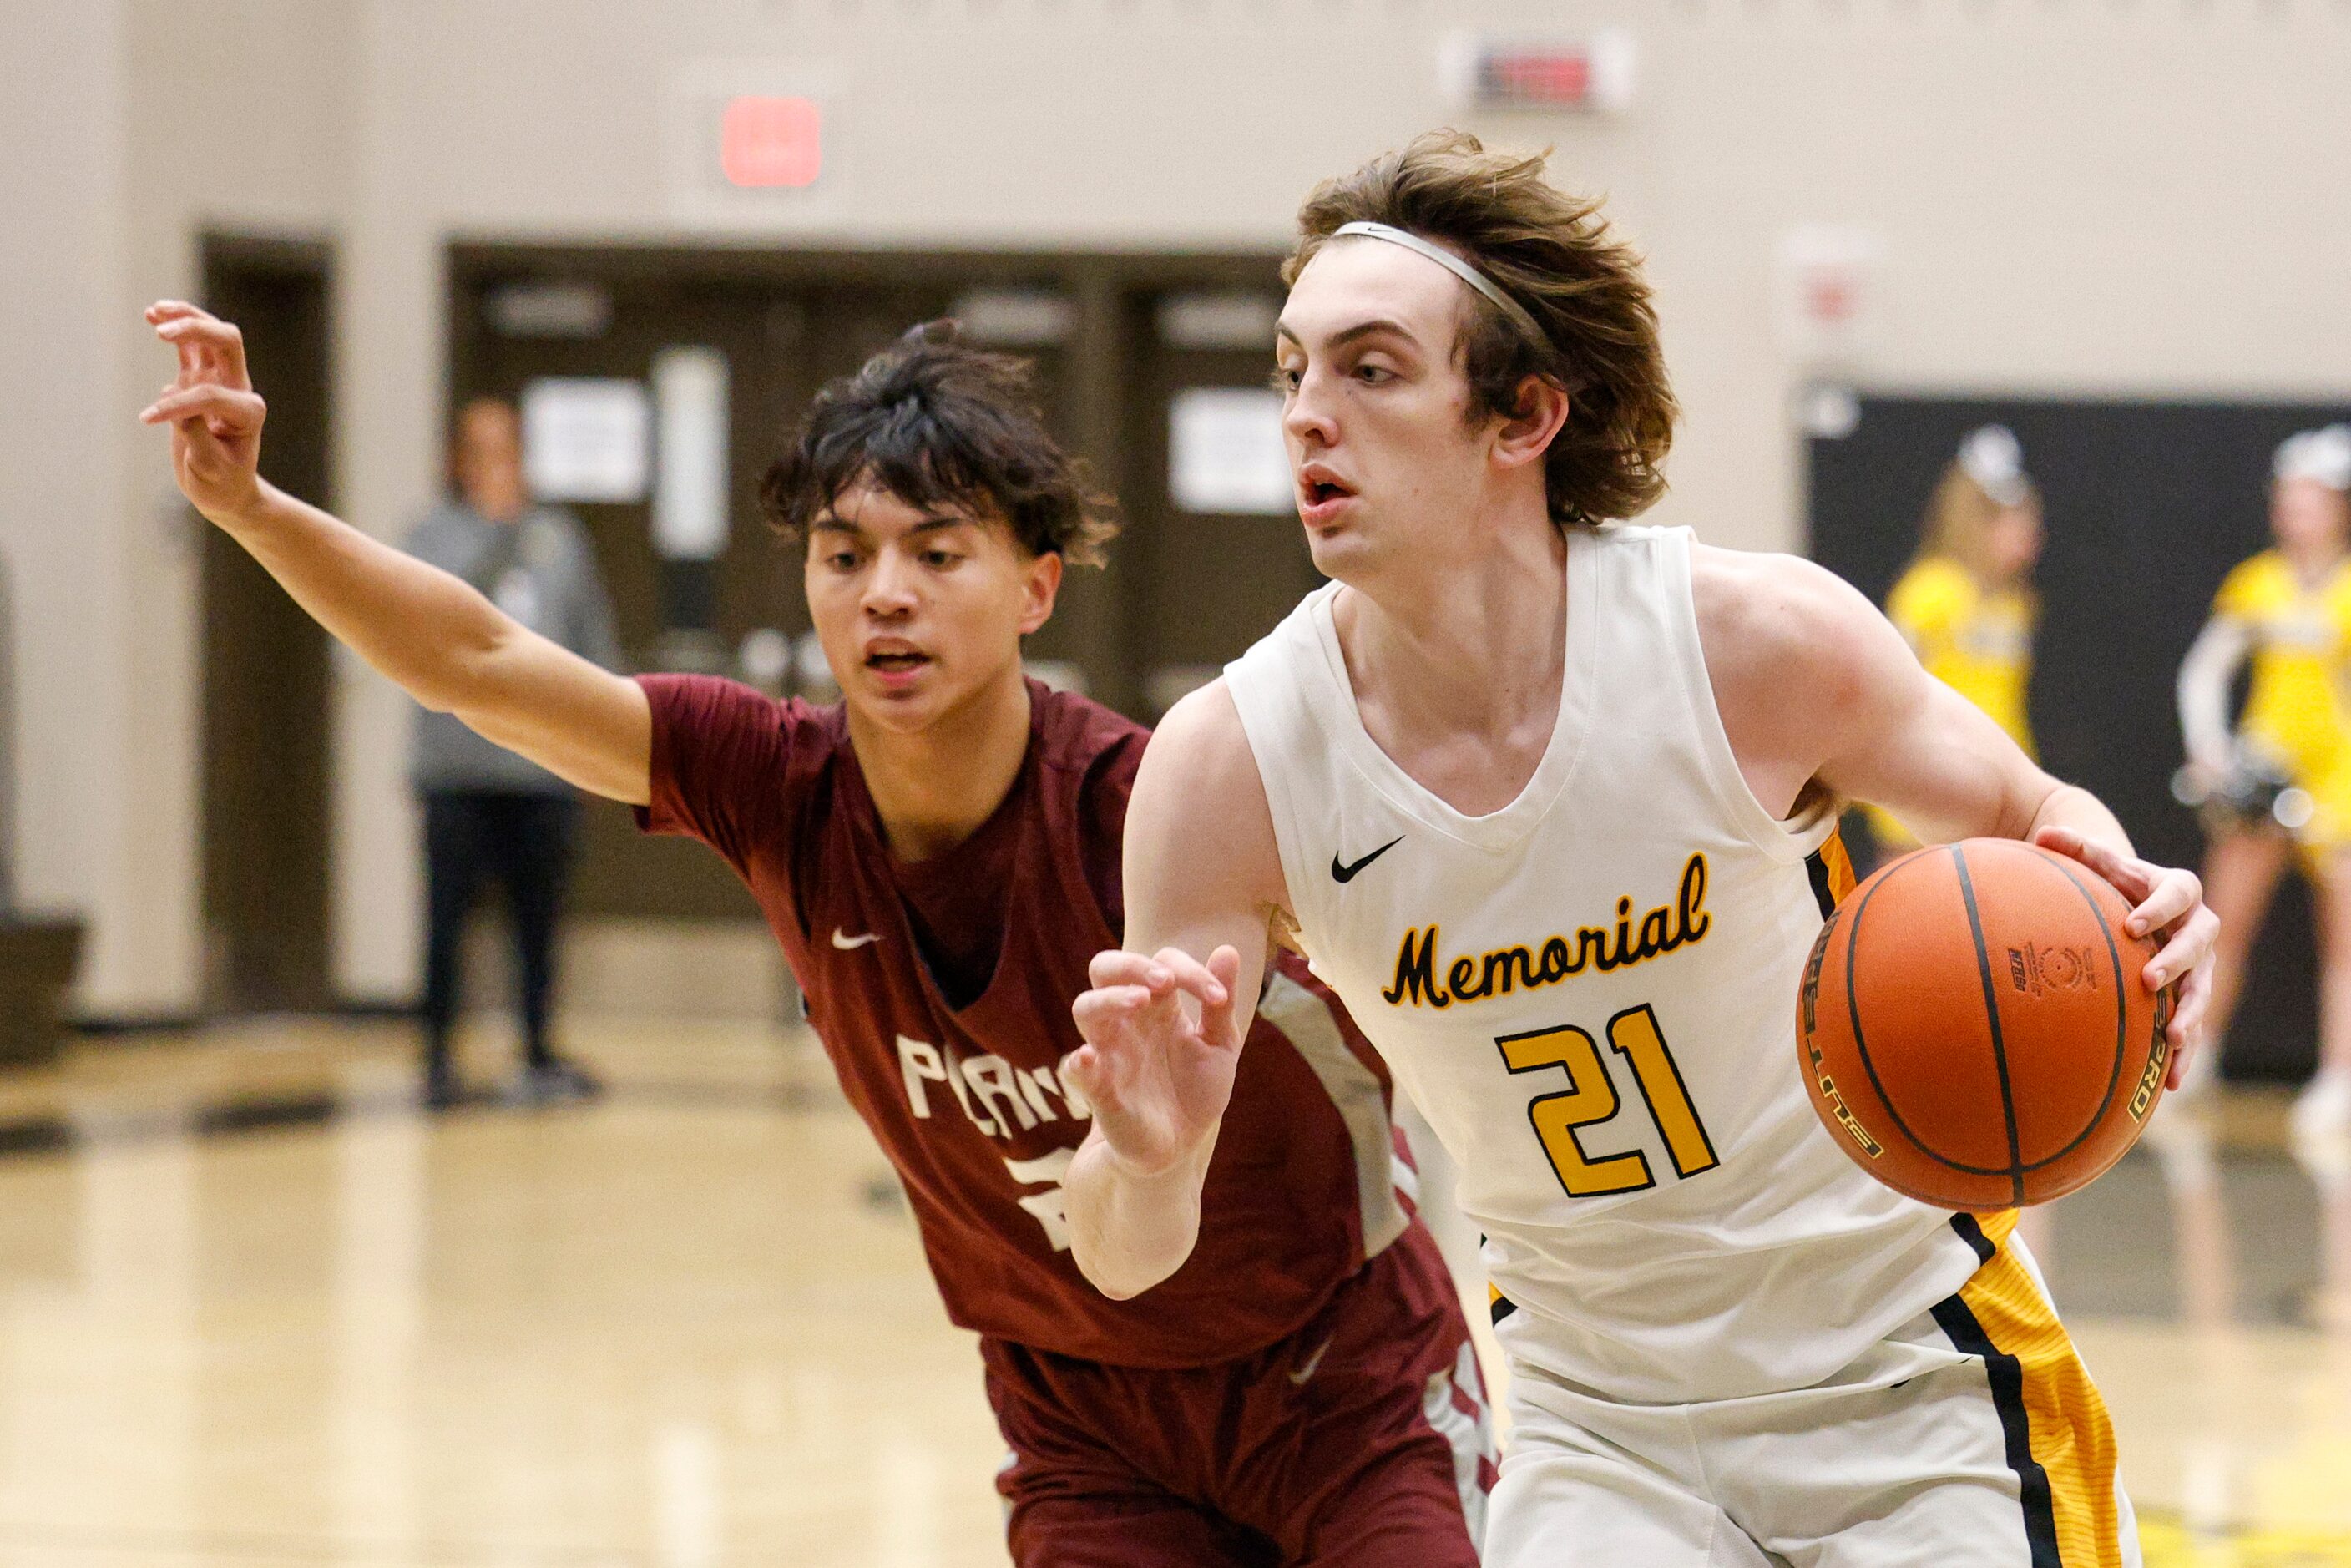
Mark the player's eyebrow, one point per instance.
(1340, 339)
(832, 522)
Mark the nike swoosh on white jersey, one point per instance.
(849, 944)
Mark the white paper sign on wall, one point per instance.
(1225, 453)
(689, 486)
(585, 438)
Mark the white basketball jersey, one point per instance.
(1590, 994)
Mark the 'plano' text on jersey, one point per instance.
(998, 1097)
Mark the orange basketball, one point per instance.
(1974, 1028)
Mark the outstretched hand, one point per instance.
(2168, 902)
(1158, 1078)
(215, 414)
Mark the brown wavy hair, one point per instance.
(937, 421)
(1551, 253)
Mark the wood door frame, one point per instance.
(310, 259)
(312, 256)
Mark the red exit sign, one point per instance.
(1557, 78)
(771, 142)
(1580, 74)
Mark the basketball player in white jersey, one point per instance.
(1549, 801)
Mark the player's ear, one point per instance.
(1529, 429)
(1040, 585)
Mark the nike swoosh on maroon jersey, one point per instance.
(1306, 1369)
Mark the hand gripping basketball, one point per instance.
(2168, 902)
(1158, 1079)
(1984, 1024)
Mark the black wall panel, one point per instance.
(2148, 503)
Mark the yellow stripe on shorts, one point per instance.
(2061, 1442)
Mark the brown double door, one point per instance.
(1184, 591)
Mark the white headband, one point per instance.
(2321, 454)
(1995, 459)
(1520, 316)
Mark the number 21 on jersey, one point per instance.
(1591, 1099)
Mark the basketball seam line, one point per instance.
(2114, 1079)
(1991, 1016)
(2121, 1021)
(1853, 1016)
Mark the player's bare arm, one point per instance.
(424, 630)
(1873, 725)
(1165, 1018)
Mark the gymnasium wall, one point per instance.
(2065, 206)
(125, 128)
(64, 528)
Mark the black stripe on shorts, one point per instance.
(2006, 1375)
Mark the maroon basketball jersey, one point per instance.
(966, 1099)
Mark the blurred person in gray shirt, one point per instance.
(489, 814)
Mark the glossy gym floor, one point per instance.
(256, 1309)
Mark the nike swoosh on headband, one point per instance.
(1519, 314)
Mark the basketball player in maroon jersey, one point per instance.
(939, 855)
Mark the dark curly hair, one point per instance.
(935, 422)
(1552, 253)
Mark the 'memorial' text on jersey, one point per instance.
(1499, 971)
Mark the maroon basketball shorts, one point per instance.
(1361, 1439)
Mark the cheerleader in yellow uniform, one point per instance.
(2282, 780)
(1966, 602)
